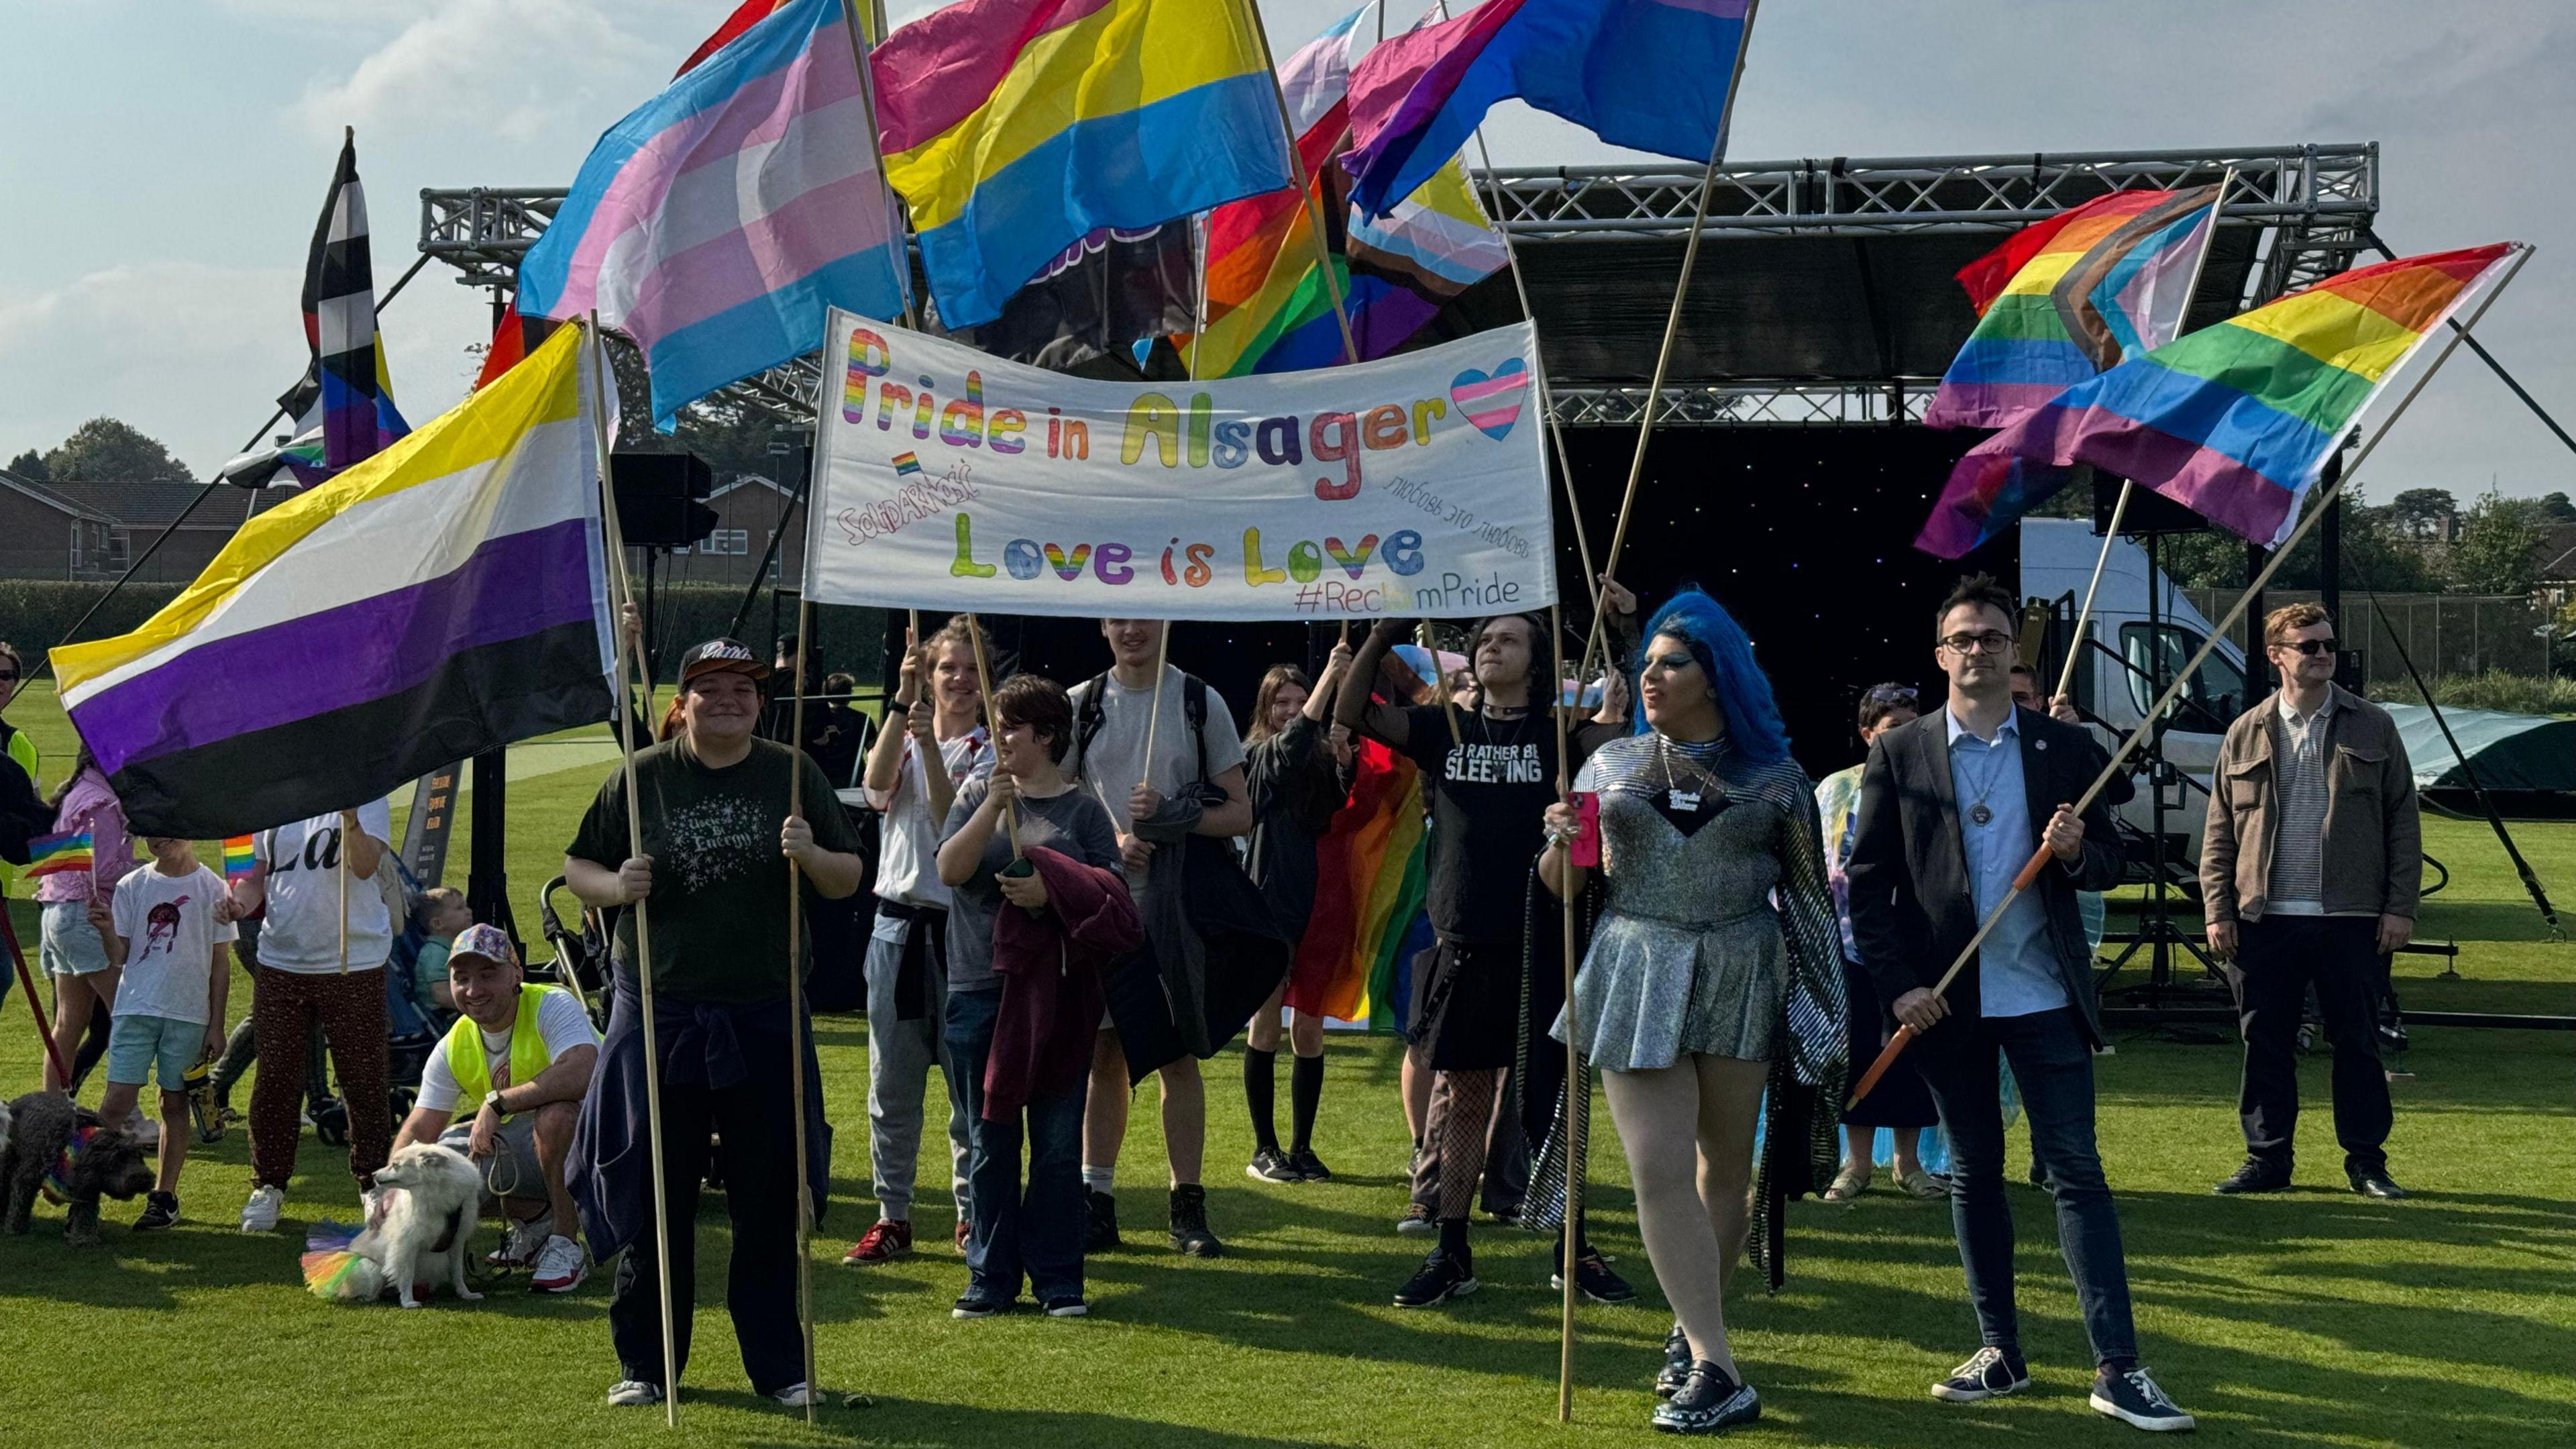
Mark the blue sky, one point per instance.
(161, 163)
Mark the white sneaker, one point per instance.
(560, 1266)
(259, 1214)
(520, 1245)
(633, 1394)
(795, 1396)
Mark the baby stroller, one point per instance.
(580, 962)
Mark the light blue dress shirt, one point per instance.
(2016, 967)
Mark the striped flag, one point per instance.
(346, 395)
(441, 599)
(716, 223)
(2073, 296)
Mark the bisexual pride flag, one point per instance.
(443, 598)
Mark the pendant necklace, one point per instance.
(1978, 811)
(1684, 802)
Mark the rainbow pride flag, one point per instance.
(719, 220)
(1369, 889)
(241, 856)
(1268, 308)
(1014, 128)
(59, 854)
(2073, 296)
(2234, 421)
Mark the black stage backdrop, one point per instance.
(1804, 533)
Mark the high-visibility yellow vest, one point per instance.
(528, 1057)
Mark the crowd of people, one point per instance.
(1079, 888)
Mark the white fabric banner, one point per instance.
(946, 478)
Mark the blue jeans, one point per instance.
(1011, 1233)
(2053, 1064)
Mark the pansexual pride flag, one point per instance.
(716, 223)
(443, 598)
(2234, 421)
(1654, 74)
(2072, 296)
(59, 854)
(1014, 128)
(1268, 308)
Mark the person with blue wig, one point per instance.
(1713, 987)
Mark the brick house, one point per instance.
(748, 508)
(86, 530)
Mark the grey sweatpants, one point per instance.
(900, 1056)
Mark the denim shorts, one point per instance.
(70, 945)
(136, 1042)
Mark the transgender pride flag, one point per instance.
(718, 222)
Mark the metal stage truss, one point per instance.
(1873, 237)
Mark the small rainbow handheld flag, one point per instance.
(59, 854)
(240, 857)
(906, 464)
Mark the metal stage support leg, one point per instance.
(487, 880)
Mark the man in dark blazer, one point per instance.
(1952, 807)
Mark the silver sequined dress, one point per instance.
(1720, 941)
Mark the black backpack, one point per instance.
(1092, 717)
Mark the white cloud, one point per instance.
(508, 68)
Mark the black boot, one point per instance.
(1102, 1235)
(1190, 1232)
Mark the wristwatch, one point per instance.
(492, 1099)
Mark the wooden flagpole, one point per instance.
(44, 1033)
(341, 862)
(1574, 1123)
(796, 995)
(1429, 644)
(993, 726)
(613, 539)
(1664, 355)
(1305, 187)
(2316, 509)
(865, 34)
(2120, 508)
(1154, 710)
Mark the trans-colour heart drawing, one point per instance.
(1492, 400)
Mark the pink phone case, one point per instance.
(1586, 849)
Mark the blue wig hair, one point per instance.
(1726, 655)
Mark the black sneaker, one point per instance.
(1441, 1279)
(1102, 1235)
(1271, 1165)
(2368, 1181)
(1190, 1232)
(1989, 1373)
(976, 1305)
(2255, 1175)
(1677, 1364)
(1309, 1167)
(2134, 1400)
(1710, 1400)
(1417, 1221)
(1594, 1280)
(160, 1210)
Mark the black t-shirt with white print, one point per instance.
(1488, 795)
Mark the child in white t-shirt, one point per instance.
(170, 932)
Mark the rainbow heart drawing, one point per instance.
(1492, 400)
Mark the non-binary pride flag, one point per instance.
(2077, 294)
(346, 399)
(1657, 75)
(716, 223)
(1014, 128)
(2234, 421)
(441, 599)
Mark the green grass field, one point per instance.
(2315, 1317)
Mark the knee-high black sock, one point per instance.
(1260, 1093)
(1453, 1241)
(1305, 1092)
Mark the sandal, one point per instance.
(1848, 1184)
(1924, 1185)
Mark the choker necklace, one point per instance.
(1683, 801)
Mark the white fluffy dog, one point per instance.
(423, 1230)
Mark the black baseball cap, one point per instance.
(720, 654)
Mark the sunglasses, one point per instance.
(2310, 647)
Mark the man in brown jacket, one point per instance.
(2310, 872)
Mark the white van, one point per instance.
(2136, 656)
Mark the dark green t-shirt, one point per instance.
(719, 901)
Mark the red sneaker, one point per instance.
(883, 1243)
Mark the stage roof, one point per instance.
(1823, 290)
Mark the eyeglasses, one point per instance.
(9, 678)
(1992, 641)
(2309, 647)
